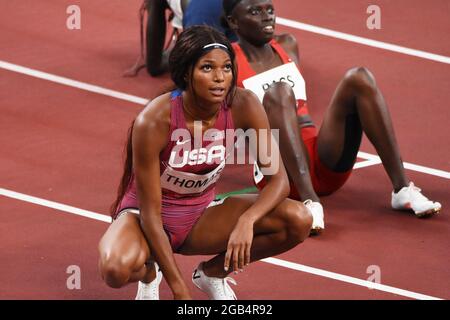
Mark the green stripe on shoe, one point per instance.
(233, 193)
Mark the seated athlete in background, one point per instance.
(165, 204)
(319, 163)
(184, 13)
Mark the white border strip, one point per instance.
(367, 163)
(363, 41)
(142, 101)
(72, 83)
(414, 167)
(55, 205)
(278, 262)
(352, 280)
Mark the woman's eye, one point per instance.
(270, 11)
(228, 67)
(206, 67)
(254, 12)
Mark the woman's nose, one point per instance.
(218, 76)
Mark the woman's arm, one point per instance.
(157, 59)
(251, 115)
(248, 113)
(149, 139)
(289, 44)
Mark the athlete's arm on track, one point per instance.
(248, 113)
(149, 139)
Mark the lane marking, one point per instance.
(348, 279)
(126, 97)
(367, 163)
(363, 41)
(72, 83)
(274, 261)
(55, 205)
(410, 166)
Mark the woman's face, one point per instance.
(213, 76)
(254, 21)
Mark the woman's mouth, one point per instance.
(268, 29)
(218, 92)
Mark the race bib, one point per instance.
(189, 183)
(288, 73)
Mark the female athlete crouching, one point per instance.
(159, 211)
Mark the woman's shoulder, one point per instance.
(286, 39)
(156, 114)
(243, 97)
(245, 105)
(289, 43)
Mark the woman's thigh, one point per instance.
(211, 232)
(341, 132)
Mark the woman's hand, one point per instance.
(239, 245)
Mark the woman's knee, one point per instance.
(360, 78)
(116, 268)
(297, 219)
(279, 95)
(114, 272)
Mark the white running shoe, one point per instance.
(411, 198)
(150, 291)
(316, 210)
(215, 288)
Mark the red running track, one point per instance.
(65, 144)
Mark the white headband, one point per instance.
(215, 46)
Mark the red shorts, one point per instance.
(176, 232)
(324, 180)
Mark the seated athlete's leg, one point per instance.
(280, 230)
(124, 252)
(358, 106)
(280, 105)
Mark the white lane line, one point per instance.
(367, 163)
(368, 156)
(142, 101)
(278, 262)
(352, 280)
(433, 172)
(363, 41)
(72, 83)
(54, 205)
(414, 167)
